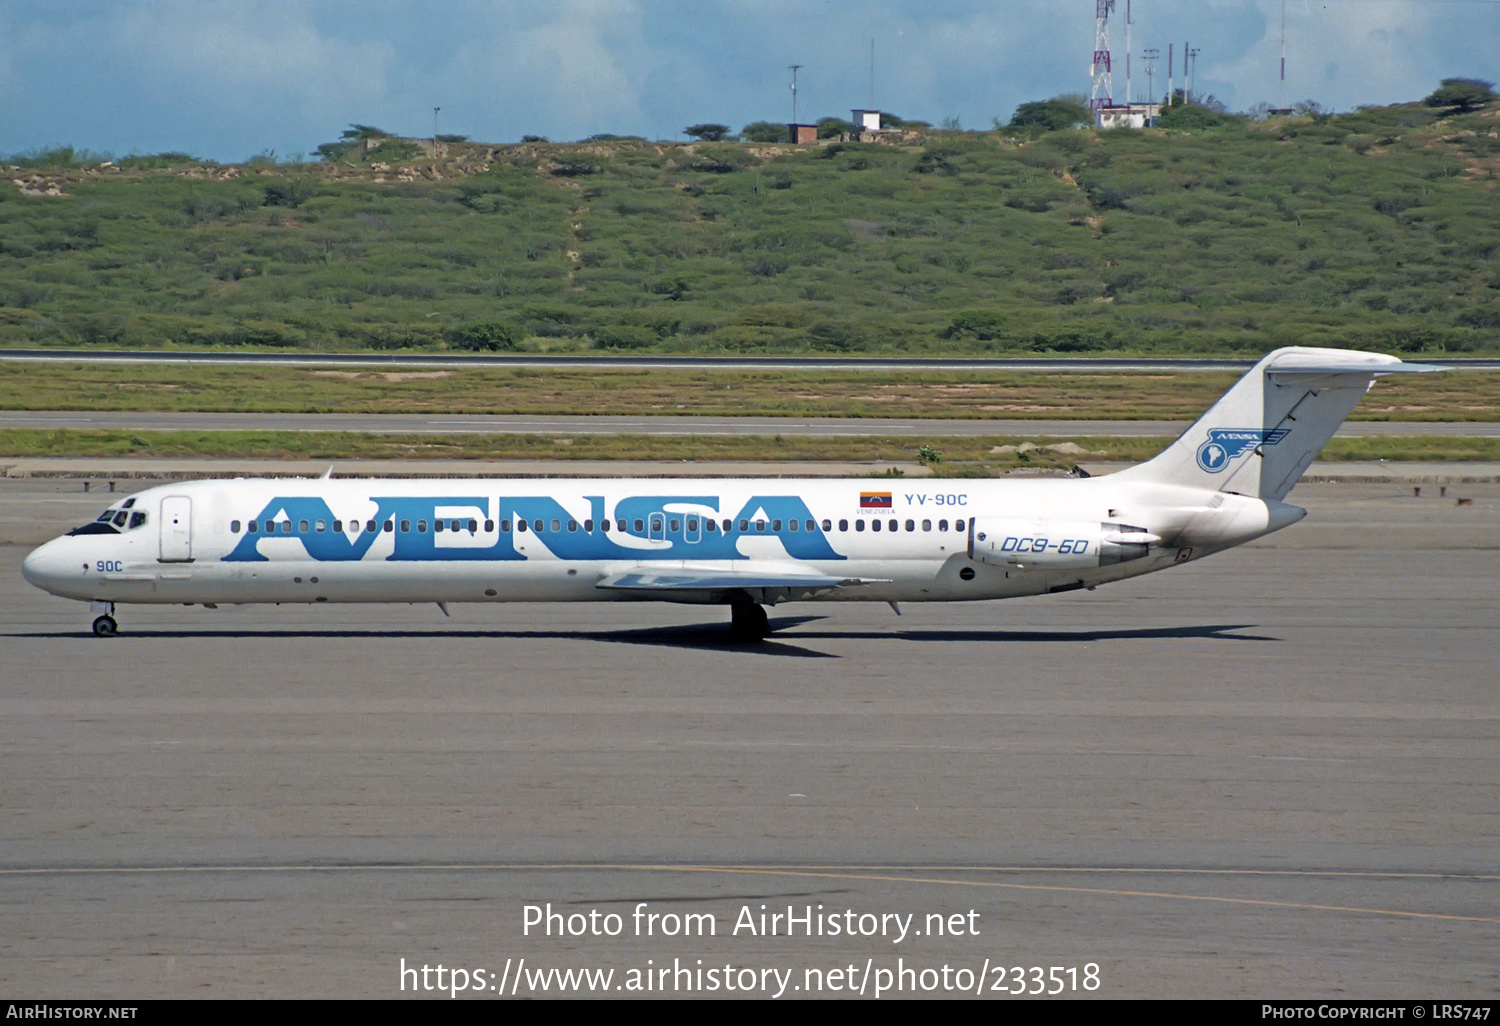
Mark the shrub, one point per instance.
(489, 336)
(624, 336)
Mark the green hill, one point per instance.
(1377, 229)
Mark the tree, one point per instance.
(1192, 115)
(1462, 95)
(830, 128)
(708, 133)
(765, 132)
(354, 137)
(1050, 115)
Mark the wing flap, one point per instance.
(667, 582)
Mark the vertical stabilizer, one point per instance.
(1262, 434)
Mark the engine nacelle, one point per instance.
(1037, 544)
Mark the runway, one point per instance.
(1271, 774)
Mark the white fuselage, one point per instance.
(487, 540)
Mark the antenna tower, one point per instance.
(1281, 91)
(1102, 93)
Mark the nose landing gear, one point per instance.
(105, 625)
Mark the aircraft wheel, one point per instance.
(105, 627)
(748, 622)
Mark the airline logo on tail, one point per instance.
(1224, 445)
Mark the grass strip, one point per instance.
(960, 455)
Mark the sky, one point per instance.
(229, 79)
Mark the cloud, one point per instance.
(570, 68)
(227, 78)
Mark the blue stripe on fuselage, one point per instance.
(667, 543)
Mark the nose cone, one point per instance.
(48, 567)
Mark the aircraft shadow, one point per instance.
(716, 637)
(1217, 632)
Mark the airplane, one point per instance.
(744, 543)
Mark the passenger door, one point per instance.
(177, 529)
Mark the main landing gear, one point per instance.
(748, 621)
(105, 626)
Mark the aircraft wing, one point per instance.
(783, 584)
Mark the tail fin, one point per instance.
(1262, 434)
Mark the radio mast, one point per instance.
(1102, 92)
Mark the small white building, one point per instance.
(866, 120)
(1133, 115)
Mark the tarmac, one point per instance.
(1274, 774)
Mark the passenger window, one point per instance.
(911, 525)
(588, 527)
(812, 525)
(369, 525)
(489, 525)
(927, 525)
(792, 524)
(942, 525)
(728, 526)
(405, 526)
(760, 525)
(843, 525)
(556, 526)
(322, 526)
(875, 525)
(338, 527)
(958, 525)
(710, 526)
(538, 526)
(692, 523)
(520, 527)
(859, 525)
(827, 525)
(620, 524)
(604, 526)
(390, 525)
(640, 526)
(474, 526)
(302, 526)
(776, 525)
(675, 525)
(744, 525)
(421, 527)
(437, 527)
(572, 526)
(252, 527)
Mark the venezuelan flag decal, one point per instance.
(875, 500)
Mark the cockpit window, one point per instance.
(114, 520)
